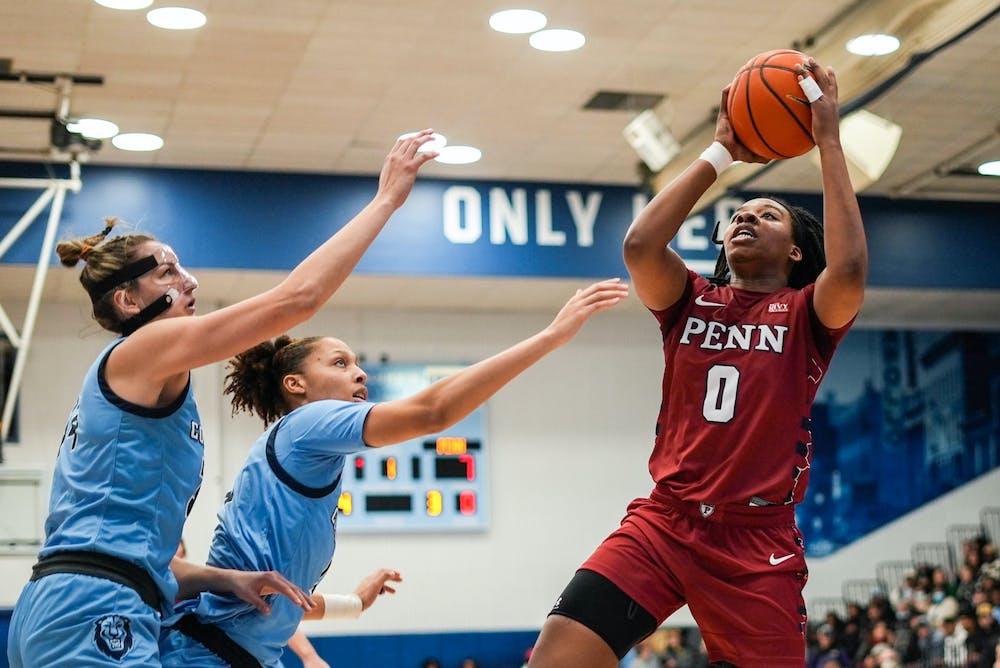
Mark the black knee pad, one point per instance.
(598, 604)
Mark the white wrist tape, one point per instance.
(718, 156)
(810, 88)
(341, 606)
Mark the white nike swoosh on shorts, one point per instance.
(701, 301)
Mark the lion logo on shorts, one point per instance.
(113, 635)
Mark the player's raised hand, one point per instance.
(725, 135)
(399, 170)
(253, 586)
(585, 303)
(376, 584)
(825, 109)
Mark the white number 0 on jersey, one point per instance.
(720, 393)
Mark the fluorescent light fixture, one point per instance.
(651, 140)
(137, 141)
(869, 142)
(518, 21)
(176, 18)
(438, 141)
(93, 128)
(991, 168)
(124, 4)
(873, 45)
(557, 39)
(459, 155)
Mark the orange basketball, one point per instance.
(767, 109)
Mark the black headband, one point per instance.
(126, 273)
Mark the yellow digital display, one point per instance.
(435, 503)
(451, 445)
(345, 503)
(389, 468)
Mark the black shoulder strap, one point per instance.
(285, 477)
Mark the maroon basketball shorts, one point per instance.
(740, 570)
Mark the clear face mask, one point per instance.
(170, 274)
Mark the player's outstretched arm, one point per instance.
(840, 287)
(450, 399)
(304, 649)
(249, 586)
(333, 606)
(182, 344)
(658, 273)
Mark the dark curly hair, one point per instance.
(807, 232)
(255, 375)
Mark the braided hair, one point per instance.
(255, 375)
(103, 258)
(807, 233)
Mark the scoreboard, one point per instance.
(435, 483)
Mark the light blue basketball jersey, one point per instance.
(281, 515)
(125, 478)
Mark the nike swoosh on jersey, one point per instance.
(701, 301)
(779, 560)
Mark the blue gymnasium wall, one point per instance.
(262, 221)
(491, 650)
(903, 416)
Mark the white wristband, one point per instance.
(341, 606)
(718, 156)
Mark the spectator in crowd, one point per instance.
(922, 592)
(850, 638)
(677, 654)
(943, 605)
(942, 579)
(644, 656)
(834, 663)
(883, 656)
(826, 649)
(909, 627)
(877, 639)
(904, 593)
(979, 646)
(987, 622)
(966, 587)
(954, 653)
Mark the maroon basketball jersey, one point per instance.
(741, 371)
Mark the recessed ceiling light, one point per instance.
(459, 155)
(125, 4)
(93, 128)
(557, 39)
(518, 21)
(437, 142)
(176, 18)
(873, 45)
(137, 141)
(991, 168)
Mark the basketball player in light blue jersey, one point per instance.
(282, 512)
(130, 463)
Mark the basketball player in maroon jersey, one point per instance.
(744, 355)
